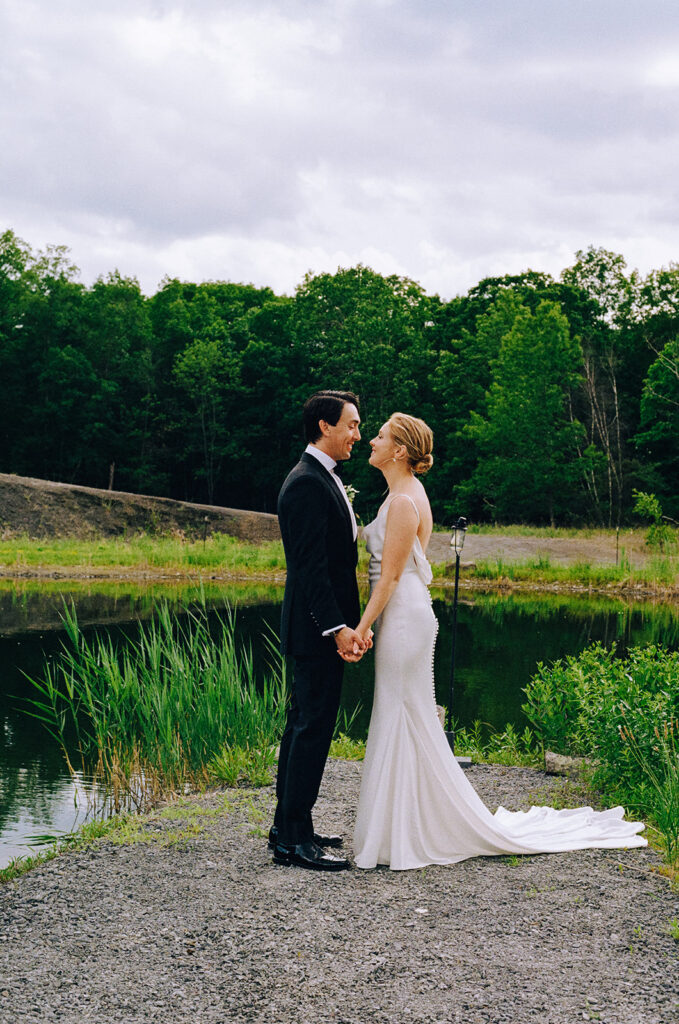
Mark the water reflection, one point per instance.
(37, 794)
(39, 805)
(32, 606)
(501, 638)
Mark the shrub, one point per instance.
(621, 711)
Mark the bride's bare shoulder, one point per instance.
(402, 503)
(420, 497)
(415, 497)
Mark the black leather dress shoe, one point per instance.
(325, 841)
(308, 855)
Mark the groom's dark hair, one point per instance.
(325, 405)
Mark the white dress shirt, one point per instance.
(329, 463)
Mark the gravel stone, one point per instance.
(204, 928)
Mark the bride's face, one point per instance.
(382, 447)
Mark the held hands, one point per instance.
(352, 644)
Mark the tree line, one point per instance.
(551, 401)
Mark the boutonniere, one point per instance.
(351, 492)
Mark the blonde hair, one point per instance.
(417, 439)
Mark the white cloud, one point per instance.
(663, 71)
(254, 141)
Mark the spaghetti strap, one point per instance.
(411, 500)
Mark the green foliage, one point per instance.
(622, 712)
(660, 534)
(358, 330)
(460, 384)
(483, 745)
(171, 708)
(347, 748)
(600, 274)
(507, 747)
(549, 400)
(22, 865)
(252, 767)
(648, 507)
(657, 440)
(659, 768)
(206, 371)
(528, 439)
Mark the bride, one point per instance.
(416, 805)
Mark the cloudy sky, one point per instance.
(253, 141)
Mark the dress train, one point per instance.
(416, 806)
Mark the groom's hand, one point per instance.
(350, 644)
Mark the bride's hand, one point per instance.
(367, 635)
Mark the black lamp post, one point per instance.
(457, 543)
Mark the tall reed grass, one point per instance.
(660, 782)
(171, 709)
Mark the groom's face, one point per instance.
(338, 440)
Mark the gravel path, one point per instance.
(596, 549)
(200, 927)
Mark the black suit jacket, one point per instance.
(321, 556)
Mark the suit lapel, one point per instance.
(316, 466)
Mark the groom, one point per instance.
(320, 609)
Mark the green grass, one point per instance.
(660, 573)
(636, 535)
(521, 530)
(179, 706)
(233, 764)
(22, 865)
(191, 818)
(508, 747)
(346, 748)
(480, 743)
(568, 792)
(219, 552)
(122, 829)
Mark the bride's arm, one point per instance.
(402, 523)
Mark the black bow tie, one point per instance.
(338, 470)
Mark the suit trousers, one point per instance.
(314, 703)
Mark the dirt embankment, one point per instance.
(44, 509)
(41, 508)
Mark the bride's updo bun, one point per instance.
(424, 465)
(417, 439)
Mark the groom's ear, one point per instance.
(324, 427)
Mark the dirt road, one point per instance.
(598, 548)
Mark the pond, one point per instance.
(500, 640)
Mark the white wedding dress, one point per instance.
(416, 805)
